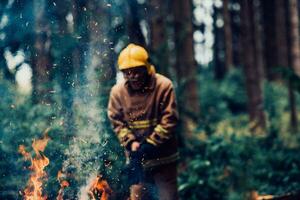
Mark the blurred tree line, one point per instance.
(235, 66)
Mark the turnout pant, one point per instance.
(160, 183)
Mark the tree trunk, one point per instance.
(293, 109)
(275, 37)
(158, 38)
(81, 20)
(257, 34)
(294, 59)
(282, 24)
(228, 36)
(41, 58)
(270, 52)
(252, 72)
(185, 65)
(218, 48)
(281, 33)
(294, 36)
(134, 29)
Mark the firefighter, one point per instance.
(143, 112)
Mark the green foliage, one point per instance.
(93, 149)
(226, 161)
(230, 167)
(221, 99)
(274, 102)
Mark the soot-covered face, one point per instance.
(137, 77)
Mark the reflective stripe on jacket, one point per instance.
(149, 115)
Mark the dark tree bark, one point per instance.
(159, 51)
(134, 29)
(270, 52)
(227, 36)
(252, 72)
(257, 31)
(294, 56)
(41, 57)
(185, 65)
(281, 33)
(293, 109)
(294, 36)
(236, 37)
(278, 39)
(218, 47)
(274, 14)
(81, 19)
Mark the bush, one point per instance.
(223, 167)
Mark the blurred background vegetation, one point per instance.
(235, 65)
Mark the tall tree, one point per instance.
(158, 37)
(282, 52)
(218, 46)
(227, 35)
(294, 54)
(81, 34)
(257, 33)
(277, 21)
(41, 57)
(275, 42)
(64, 60)
(16, 16)
(251, 67)
(134, 29)
(270, 53)
(281, 33)
(294, 36)
(185, 65)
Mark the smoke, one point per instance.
(87, 148)
(83, 192)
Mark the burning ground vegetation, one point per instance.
(96, 188)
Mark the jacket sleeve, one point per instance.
(116, 117)
(169, 118)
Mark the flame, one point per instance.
(33, 190)
(63, 185)
(255, 196)
(24, 153)
(99, 189)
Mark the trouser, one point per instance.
(160, 183)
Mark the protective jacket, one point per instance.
(148, 115)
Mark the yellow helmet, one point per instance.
(134, 56)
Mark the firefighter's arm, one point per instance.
(116, 116)
(165, 128)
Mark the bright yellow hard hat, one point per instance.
(134, 56)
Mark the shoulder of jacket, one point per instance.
(163, 81)
(118, 88)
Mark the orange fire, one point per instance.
(33, 190)
(99, 189)
(255, 196)
(63, 185)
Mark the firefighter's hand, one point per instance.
(149, 151)
(135, 146)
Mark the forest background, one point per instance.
(235, 65)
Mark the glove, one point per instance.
(148, 150)
(134, 169)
